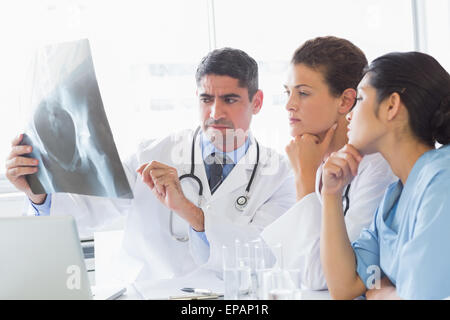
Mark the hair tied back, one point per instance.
(442, 121)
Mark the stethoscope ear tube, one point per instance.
(347, 199)
(199, 182)
(242, 201)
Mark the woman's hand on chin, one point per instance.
(306, 153)
(339, 170)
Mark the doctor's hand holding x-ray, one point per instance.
(18, 166)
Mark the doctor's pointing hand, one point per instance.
(164, 182)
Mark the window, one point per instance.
(271, 31)
(435, 25)
(145, 56)
(146, 52)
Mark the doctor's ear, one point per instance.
(257, 101)
(347, 101)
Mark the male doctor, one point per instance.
(171, 228)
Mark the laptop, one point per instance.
(41, 258)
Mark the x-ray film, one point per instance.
(68, 128)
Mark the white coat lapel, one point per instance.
(200, 170)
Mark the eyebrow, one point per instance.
(298, 86)
(225, 96)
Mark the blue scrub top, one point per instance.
(409, 238)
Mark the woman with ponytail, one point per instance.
(403, 112)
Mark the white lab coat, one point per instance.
(147, 240)
(298, 230)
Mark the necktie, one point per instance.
(215, 171)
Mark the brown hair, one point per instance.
(340, 61)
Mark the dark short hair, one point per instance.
(424, 88)
(340, 61)
(230, 62)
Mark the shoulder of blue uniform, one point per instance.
(436, 162)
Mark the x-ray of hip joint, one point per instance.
(68, 128)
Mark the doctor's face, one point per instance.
(311, 107)
(226, 110)
(365, 128)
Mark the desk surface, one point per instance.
(133, 294)
(106, 249)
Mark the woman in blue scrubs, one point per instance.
(403, 109)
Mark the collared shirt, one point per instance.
(44, 208)
(234, 156)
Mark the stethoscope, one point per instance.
(241, 201)
(347, 199)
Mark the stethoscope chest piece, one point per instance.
(241, 203)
